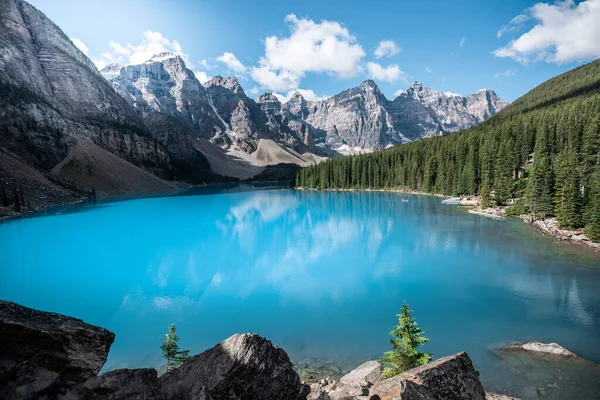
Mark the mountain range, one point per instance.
(152, 126)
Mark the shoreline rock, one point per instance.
(51, 356)
(46, 354)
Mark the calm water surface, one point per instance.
(320, 274)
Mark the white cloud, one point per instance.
(513, 26)
(508, 72)
(232, 62)
(399, 92)
(386, 48)
(308, 94)
(152, 43)
(428, 70)
(462, 41)
(206, 64)
(202, 76)
(327, 46)
(80, 45)
(564, 32)
(282, 80)
(254, 90)
(391, 73)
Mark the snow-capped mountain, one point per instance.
(157, 122)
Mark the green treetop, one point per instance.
(406, 338)
(170, 349)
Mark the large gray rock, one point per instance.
(448, 378)
(45, 354)
(125, 384)
(245, 366)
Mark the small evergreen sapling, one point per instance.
(406, 337)
(170, 349)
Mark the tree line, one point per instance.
(542, 153)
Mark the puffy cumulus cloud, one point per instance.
(152, 43)
(392, 73)
(232, 62)
(462, 41)
(386, 48)
(282, 80)
(508, 72)
(80, 45)
(327, 46)
(202, 76)
(308, 94)
(563, 32)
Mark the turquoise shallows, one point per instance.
(321, 274)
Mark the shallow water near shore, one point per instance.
(321, 274)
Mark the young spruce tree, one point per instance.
(406, 338)
(170, 349)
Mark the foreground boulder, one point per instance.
(123, 384)
(245, 366)
(451, 378)
(44, 354)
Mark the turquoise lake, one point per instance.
(321, 274)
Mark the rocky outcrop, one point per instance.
(46, 354)
(245, 366)
(452, 378)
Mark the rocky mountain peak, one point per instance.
(230, 83)
(162, 57)
(111, 70)
(370, 85)
(268, 97)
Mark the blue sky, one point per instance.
(457, 46)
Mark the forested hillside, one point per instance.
(543, 151)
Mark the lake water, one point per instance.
(321, 274)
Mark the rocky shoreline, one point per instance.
(548, 226)
(51, 356)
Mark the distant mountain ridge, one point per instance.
(357, 119)
(148, 126)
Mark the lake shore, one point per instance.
(548, 226)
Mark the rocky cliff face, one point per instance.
(362, 118)
(53, 94)
(445, 112)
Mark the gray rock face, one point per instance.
(451, 378)
(122, 384)
(446, 112)
(52, 93)
(45, 354)
(242, 367)
(174, 105)
(362, 118)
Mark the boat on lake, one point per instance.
(452, 200)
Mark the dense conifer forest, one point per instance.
(541, 154)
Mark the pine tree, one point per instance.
(170, 349)
(406, 338)
(593, 228)
(568, 196)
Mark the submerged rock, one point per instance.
(46, 354)
(543, 350)
(452, 378)
(245, 366)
